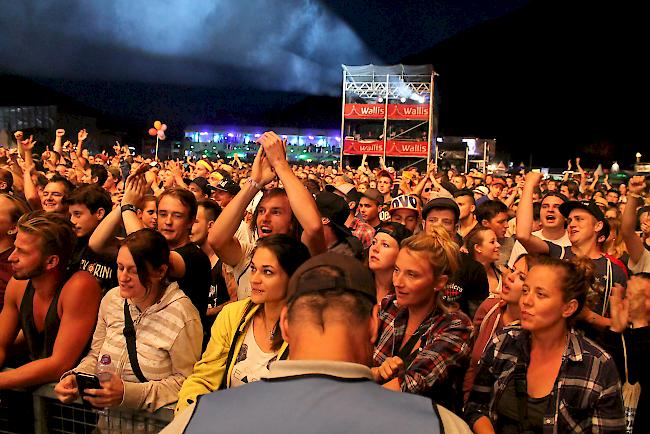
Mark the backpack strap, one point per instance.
(129, 334)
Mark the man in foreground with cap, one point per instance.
(334, 212)
(586, 223)
(330, 323)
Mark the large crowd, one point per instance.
(310, 298)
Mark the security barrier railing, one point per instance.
(40, 412)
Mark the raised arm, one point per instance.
(82, 135)
(524, 228)
(633, 242)
(417, 190)
(102, 240)
(302, 202)
(134, 191)
(583, 176)
(222, 235)
(58, 147)
(31, 194)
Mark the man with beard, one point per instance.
(55, 311)
(467, 206)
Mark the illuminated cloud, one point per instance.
(288, 45)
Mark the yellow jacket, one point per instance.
(209, 371)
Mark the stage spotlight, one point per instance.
(380, 99)
(402, 99)
(417, 98)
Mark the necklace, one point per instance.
(266, 329)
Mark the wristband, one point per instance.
(128, 207)
(255, 185)
(636, 196)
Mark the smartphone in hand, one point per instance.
(86, 381)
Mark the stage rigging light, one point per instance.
(380, 99)
(402, 99)
(231, 135)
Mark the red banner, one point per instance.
(395, 111)
(394, 148)
(360, 147)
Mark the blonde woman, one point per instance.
(423, 346)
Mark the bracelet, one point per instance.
(636, 196)
(255, 185)
(128, 207)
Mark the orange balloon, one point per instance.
(152, 131)
(157, 125)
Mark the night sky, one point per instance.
(537, 75)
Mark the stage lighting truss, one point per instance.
(395, 87)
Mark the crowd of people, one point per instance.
(314, 298)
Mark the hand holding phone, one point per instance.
(86, 381)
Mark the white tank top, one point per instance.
(252, 363)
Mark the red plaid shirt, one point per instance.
(444, 345)
(363, 231)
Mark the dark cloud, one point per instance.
(289, 45)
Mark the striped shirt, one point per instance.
(168, 342)
(586, 396)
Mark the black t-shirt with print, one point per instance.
(104, 269)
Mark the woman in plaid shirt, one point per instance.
(544, 377)
(423, 345)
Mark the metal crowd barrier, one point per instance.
(40, 412)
